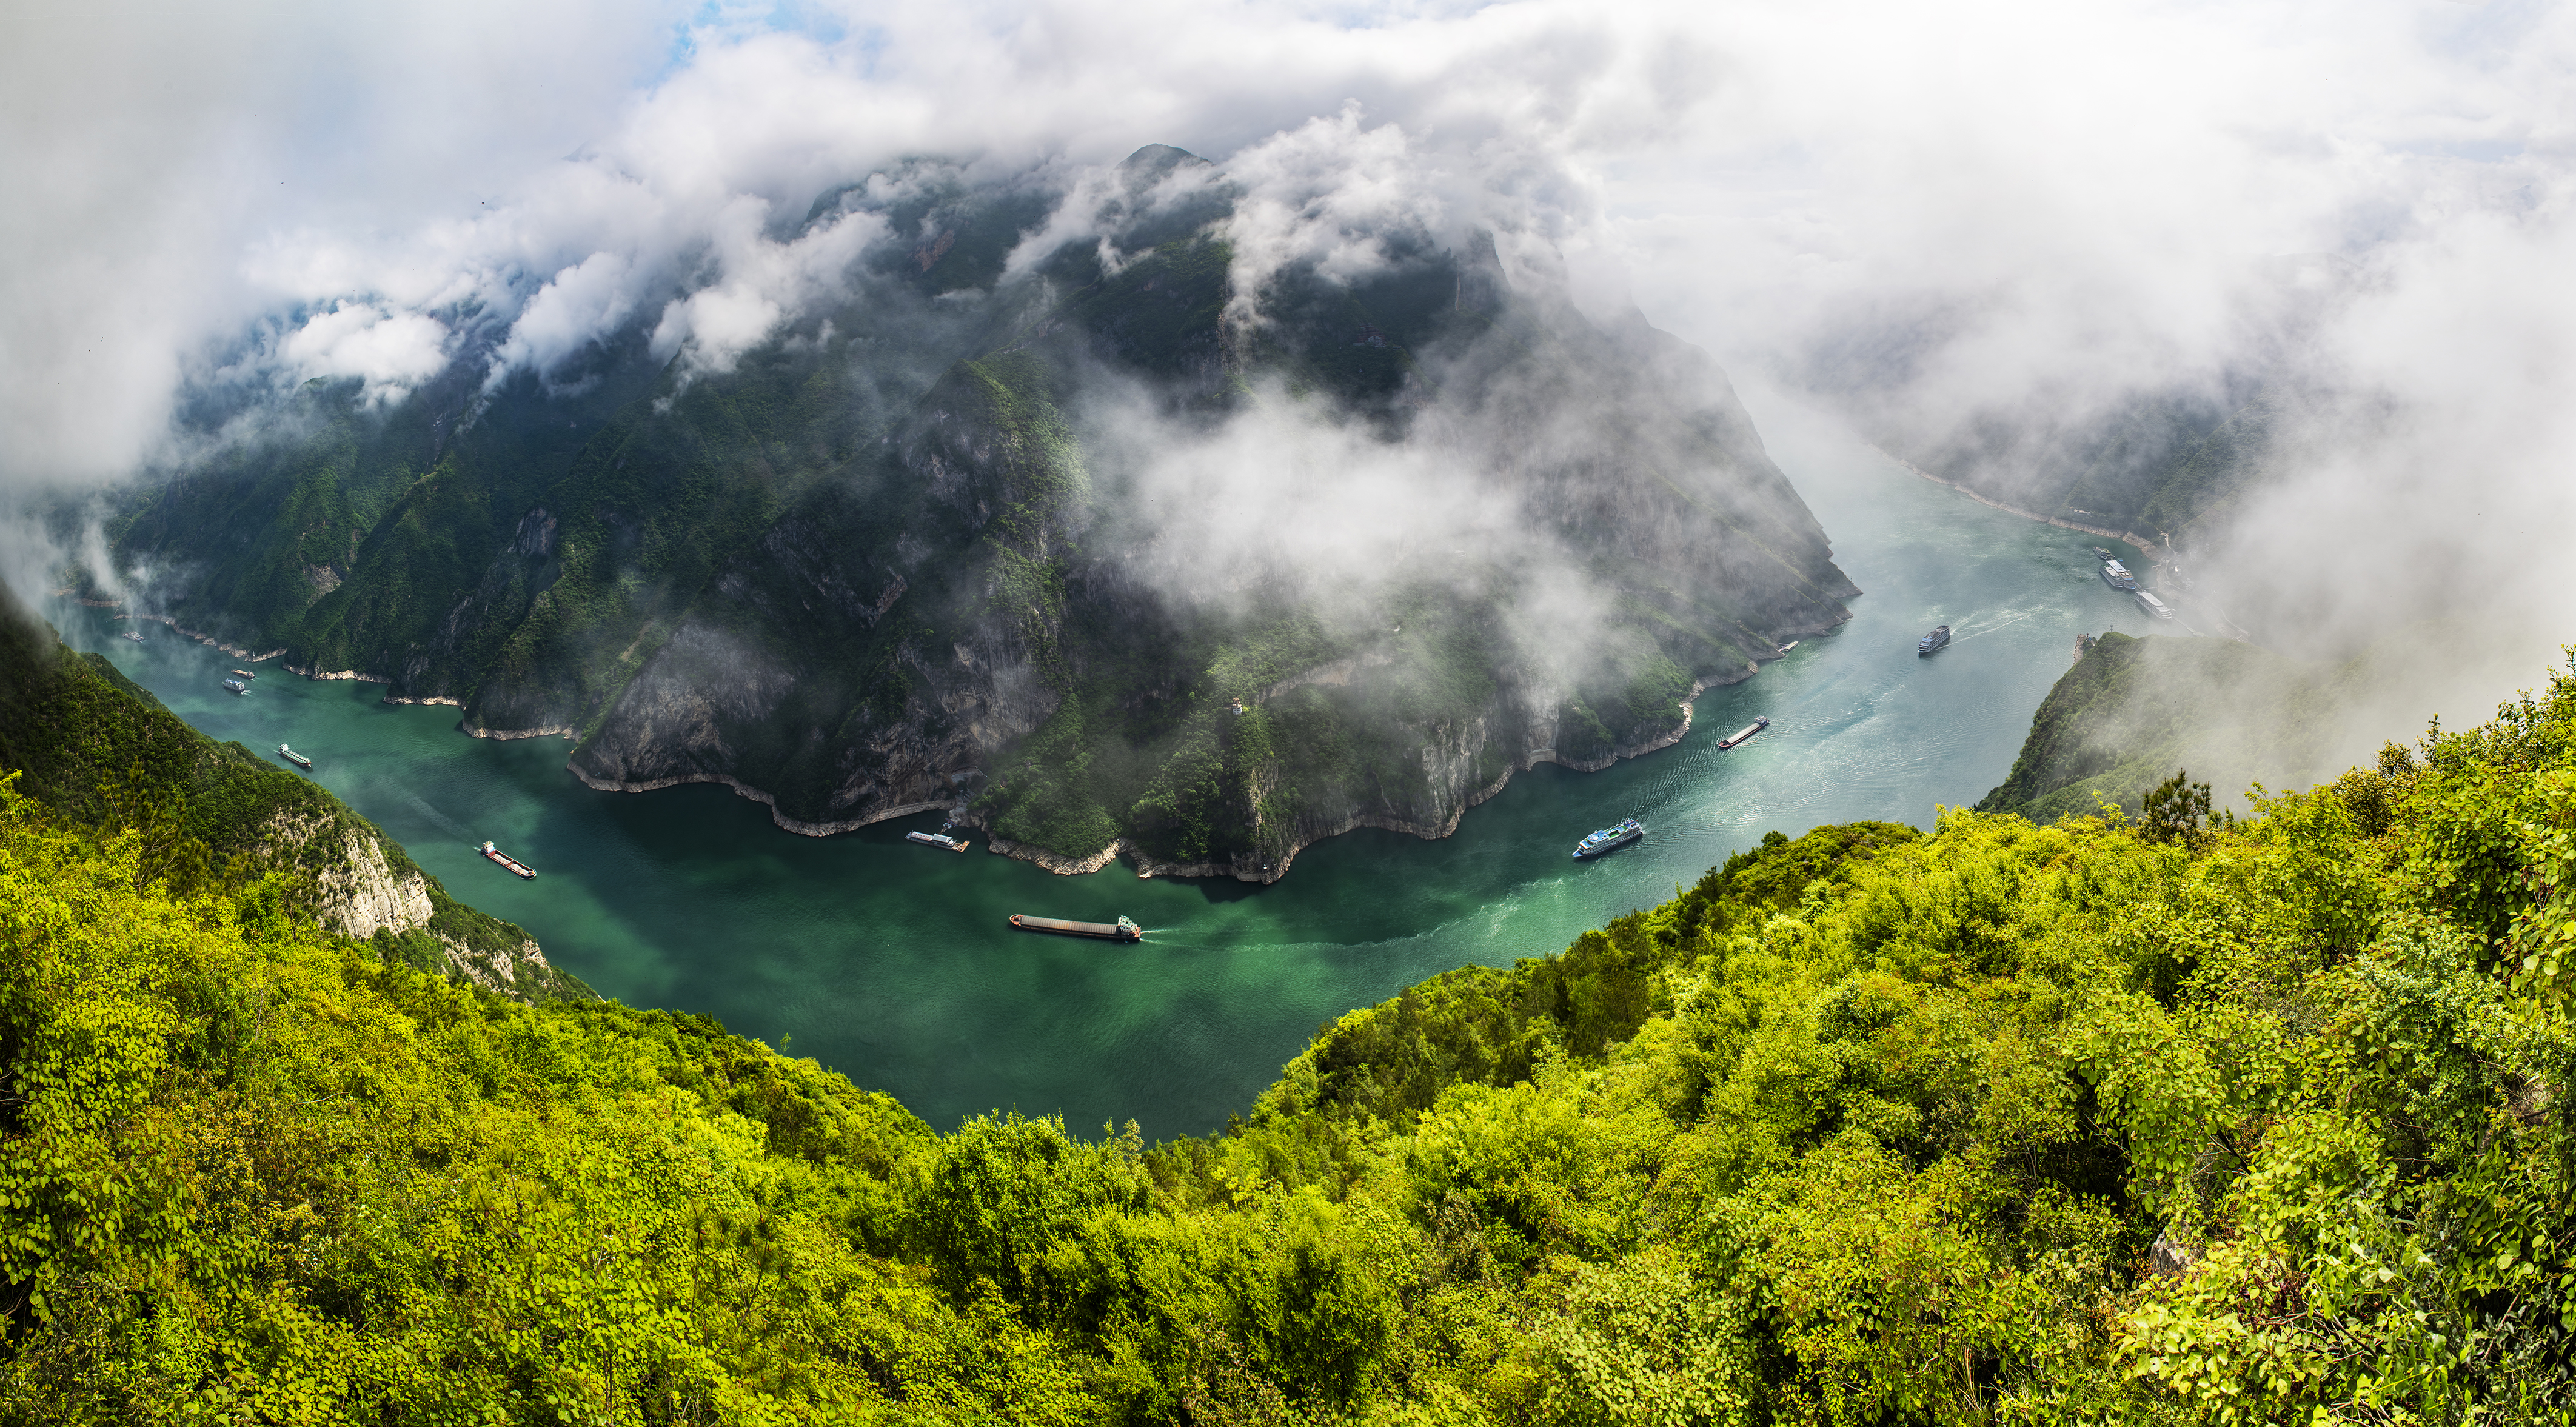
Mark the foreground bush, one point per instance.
(2264, 1122)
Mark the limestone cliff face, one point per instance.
(927, 548)
(358, 891)
(881, 640)
(971, 624)
(359, 884)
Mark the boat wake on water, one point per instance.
(1958, 638)
(446, 824)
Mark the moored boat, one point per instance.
(1784, 648)
(2117, 575)
(1609, 839)
(2151, 604)
(1120, 930)
(1939, 636)
(1744, 733)
(506, 860)
(937, 839)
(298, 759)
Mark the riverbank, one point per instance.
(1266, 873)
(896, 964)
(2146, 547)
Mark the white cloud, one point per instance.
(2085, 188)
(759, 283)
(390, 351)
(575, 306)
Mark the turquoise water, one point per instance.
(892, 963)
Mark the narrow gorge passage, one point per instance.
(892, 963)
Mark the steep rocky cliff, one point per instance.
(998, 541)
(100, 751)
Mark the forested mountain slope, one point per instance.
(2261, 1123)
(102, 753)
(1130, 547)
(2235, 714)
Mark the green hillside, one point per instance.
(2257, 1123)
(101, 753)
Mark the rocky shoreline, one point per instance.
(1264, 875)
(2146, 547)
(741, 789)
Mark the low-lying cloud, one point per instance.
(2057, 207)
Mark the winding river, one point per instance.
(891, 962)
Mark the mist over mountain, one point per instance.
(1181, 533)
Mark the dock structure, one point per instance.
(506, 860)
(1121, 930)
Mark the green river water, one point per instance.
(892, 963)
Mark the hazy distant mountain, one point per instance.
(2171, 451)
(1104, 546)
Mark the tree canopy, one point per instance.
(2260, 1121)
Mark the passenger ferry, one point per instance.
(1939, 636)
(1609, 839)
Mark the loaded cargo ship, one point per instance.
(524, 870)
(1120, 930)
(1741, 734)
(1609, 839)
(298, 759)
(245, 673)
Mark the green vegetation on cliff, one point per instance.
(103, 755)
(2235, 714)
(2266, 1122)
(896, 555)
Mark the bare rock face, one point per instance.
(365, 894)
(518, 973)
(356, 889)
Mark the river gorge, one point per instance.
(892, 962)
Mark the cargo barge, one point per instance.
(245, 673)
(298, 759)
(1121, 930)
(937, 839)
(506, 860)
(1741, 734)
